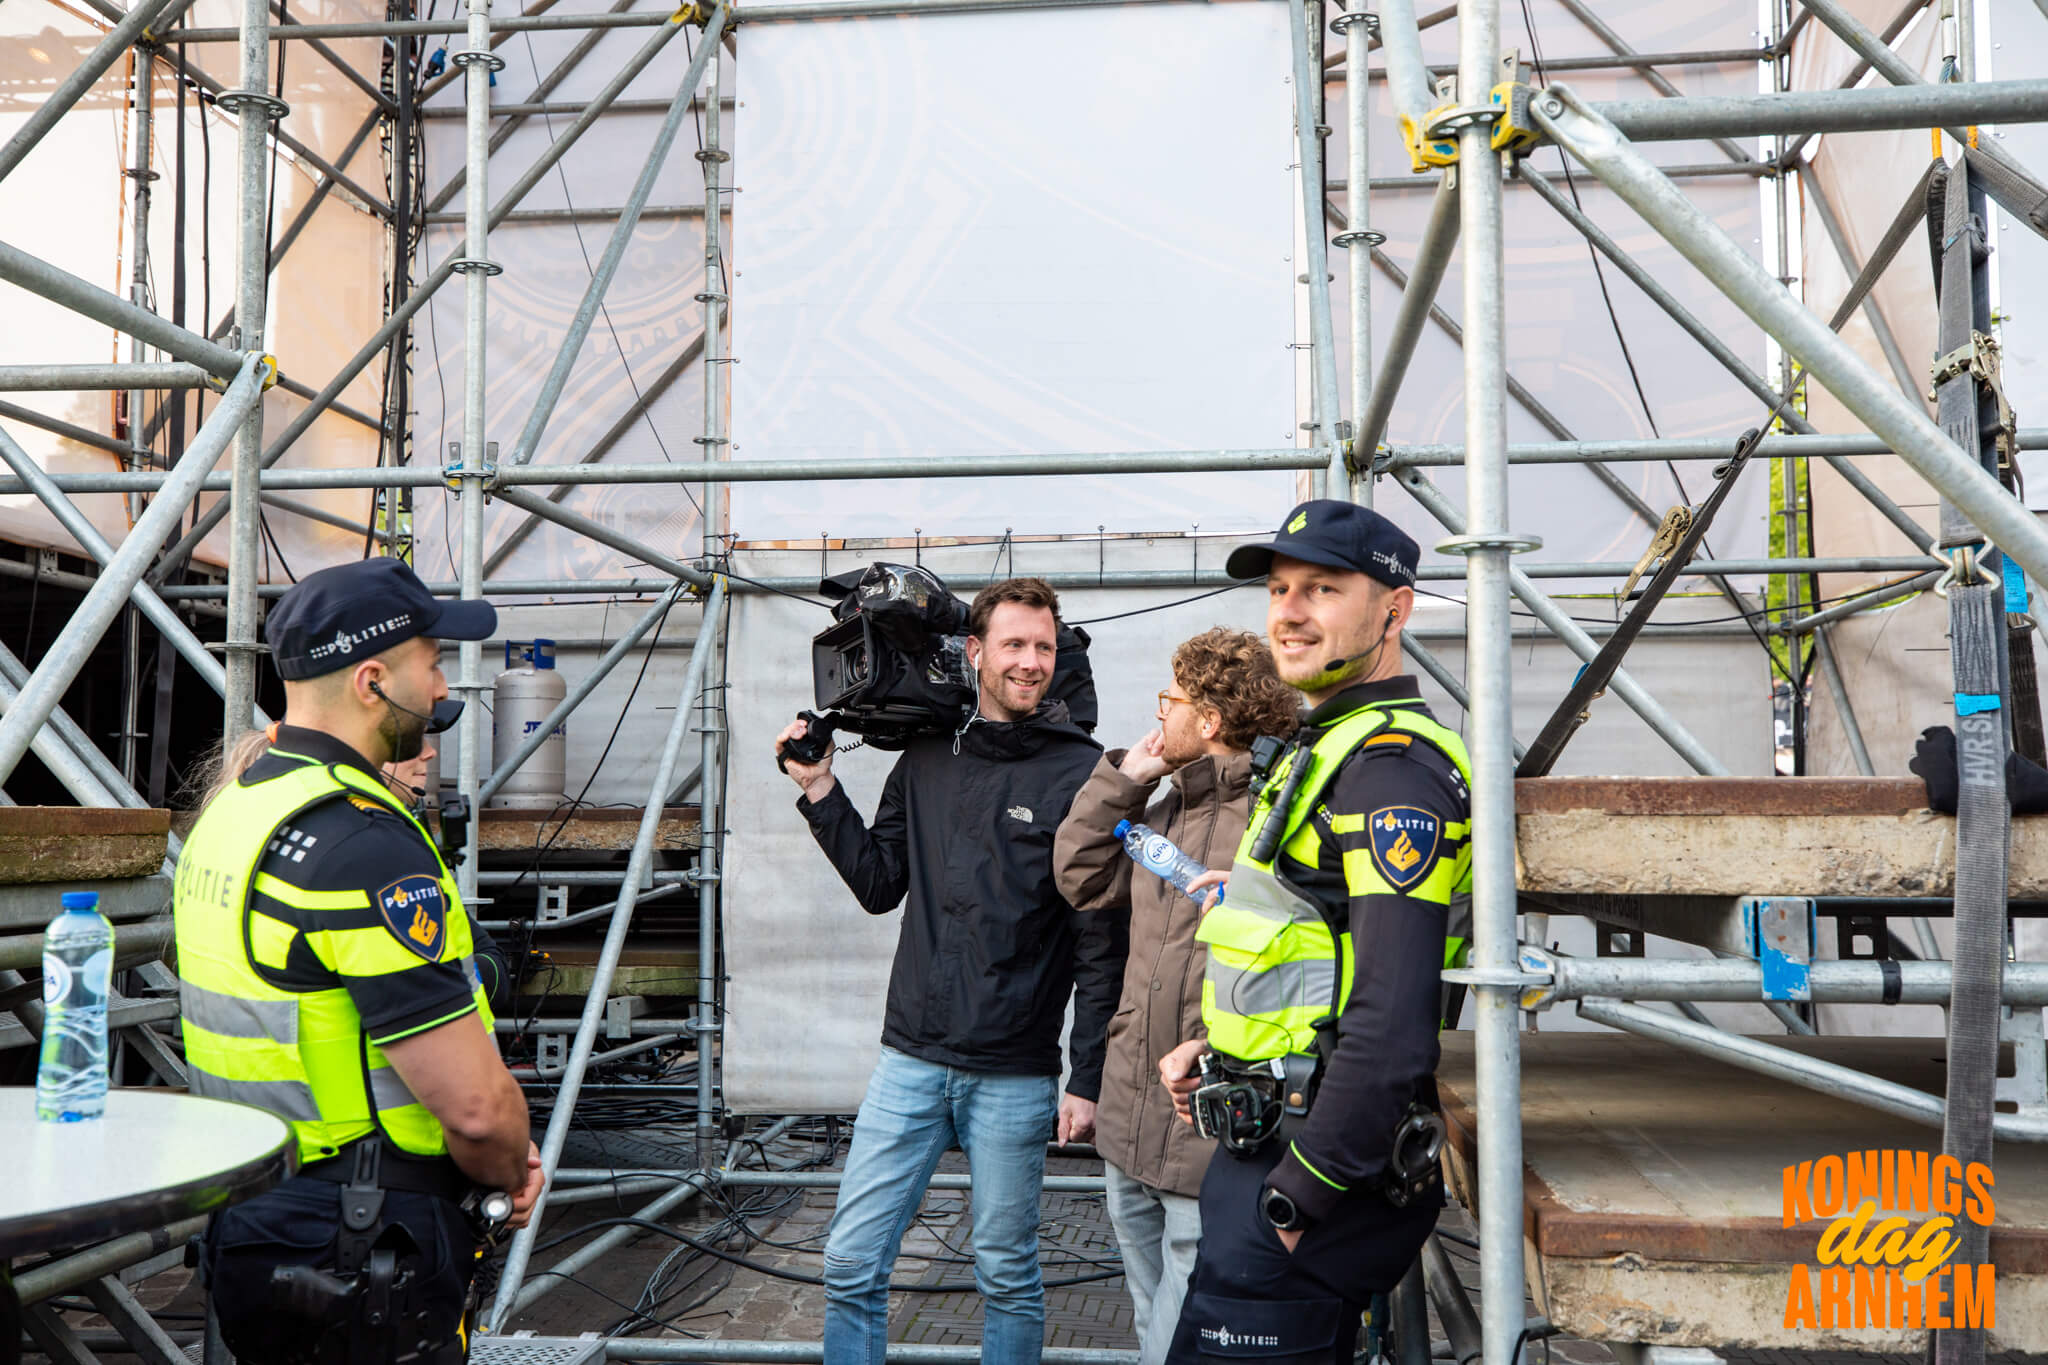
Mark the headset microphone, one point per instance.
(1333, 665)
(446, 712)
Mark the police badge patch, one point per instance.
(416, 913)
(1404, 843)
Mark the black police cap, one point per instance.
(1336, 535)
(338, 617)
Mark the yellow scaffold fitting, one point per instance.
(694, 13)
(1515, 131)
(269, 372)
(1425, 151)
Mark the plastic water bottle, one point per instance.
(1160, 856)
(78, 966)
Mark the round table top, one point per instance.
(154, 1157)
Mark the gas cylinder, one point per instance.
(525, 693)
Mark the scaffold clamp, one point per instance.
(1539, 970)
(456, 467)
(1515, 130)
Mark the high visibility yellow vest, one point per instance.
(301, 1055)
(1275, 968)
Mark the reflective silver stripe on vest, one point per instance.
(1286, 986)
(388, 1089)
(289, 1100)
(233, 1017)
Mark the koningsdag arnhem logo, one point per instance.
(1897, 1268)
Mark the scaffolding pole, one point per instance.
(67, 654)
(1487, 544)
(254, 108)
(476, 461)
(637, 864)
(707, 1020)
(1358, 240)
(403, 314)
(1602, 148)
(160, 613)
(615, 249)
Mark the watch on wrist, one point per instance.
(1282, 1212)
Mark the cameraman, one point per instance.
(988, 955)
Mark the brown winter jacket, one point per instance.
(1204, 813)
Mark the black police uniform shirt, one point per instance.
(356, 843)
(1387, 1050)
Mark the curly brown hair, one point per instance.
(1232, 671)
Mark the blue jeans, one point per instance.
(913, 1112)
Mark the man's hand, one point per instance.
(1203, 883)
(815, 778)
(1178, 1073)
(1145, 762)
(1077, 1120)
(525, 1198)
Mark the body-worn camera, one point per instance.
(1238, 1110)
(893, 663)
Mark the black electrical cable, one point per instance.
(770, 587)
(776, 1272)
(1757, 615)
(1168, 606)
(639, 398)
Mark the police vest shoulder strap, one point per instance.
(370, 787)
(1351, 733)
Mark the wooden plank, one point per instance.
(74, 843)
(1748, 836)
(1653, 1189)
(606, 830)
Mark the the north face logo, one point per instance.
(1022, 813)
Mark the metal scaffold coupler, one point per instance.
(1515, 130)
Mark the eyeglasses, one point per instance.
(1167, 701)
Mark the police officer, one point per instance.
(327, 976)
(1349, 893)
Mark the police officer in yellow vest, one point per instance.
(327, 976)
(1322, 999)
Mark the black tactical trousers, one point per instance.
(1250, 1299)
(295, 1224)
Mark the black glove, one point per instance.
(1934, 763)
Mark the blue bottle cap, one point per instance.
(81, 900)
(1123, 827)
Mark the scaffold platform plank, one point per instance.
(1654, 1189)
(609, 829)
(1711, 836)
(77, 843)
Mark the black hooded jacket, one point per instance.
(989, 950)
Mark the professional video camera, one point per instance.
(893, 664)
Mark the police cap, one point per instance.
(1336, 535)
(338, 617)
